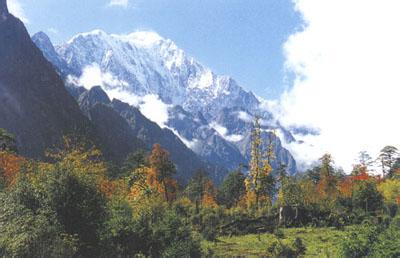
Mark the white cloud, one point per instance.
(15, 7)
(233, 137)
(244, 116)
(93, 76)
(115, 88)
(193, 144)
(53, 30)
(346, 66)
(155, 110)
(223, 131)
(150, 105)
(121, 3)
(124, 96)
(219, 128)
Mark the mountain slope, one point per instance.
(34, 103)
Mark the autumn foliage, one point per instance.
(10, 166)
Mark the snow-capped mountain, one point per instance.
(150, 64)
(210, 113)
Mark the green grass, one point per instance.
(320, 242)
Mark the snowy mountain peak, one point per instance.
(151, 64)
(96, 32)
(145, 39)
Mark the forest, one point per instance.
(73, 203)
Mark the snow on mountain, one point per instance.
(151, 64)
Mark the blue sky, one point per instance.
(240, 38)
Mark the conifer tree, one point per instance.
(387, 158)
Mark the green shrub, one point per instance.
(299, 246)
(278, 249)
(279, 234)
(359, 241)
(388, 243)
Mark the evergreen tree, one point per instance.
(232, 189)
(196, 189)
(387, 159)
(7, 141)
(365, 159)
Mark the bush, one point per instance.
(366, 197)
(208, 222)
(29, 229)
(359, 241)
(278, 249)
(279, 234)
(299, 246)
(119, 233)
(388, 243)
(173, 238)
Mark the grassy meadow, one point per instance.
(320, 242)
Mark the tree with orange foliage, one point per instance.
(143, 182)
(359, 173)
(164, 169)
(10, 166)
(10, 163)
(209, 195)
(346, 187)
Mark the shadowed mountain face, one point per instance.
(117, 139)
(35, 105)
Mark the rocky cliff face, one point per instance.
(43, 42)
